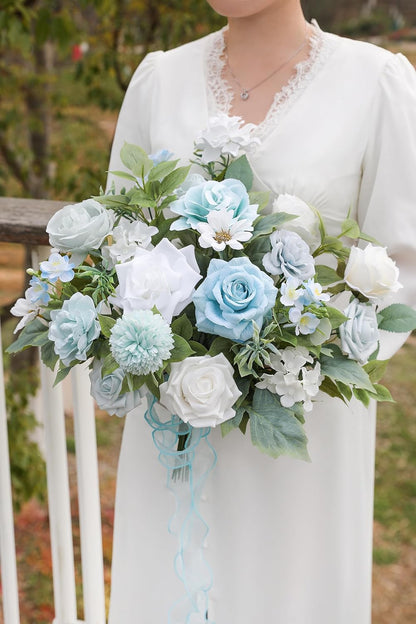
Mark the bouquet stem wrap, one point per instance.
(187, 471)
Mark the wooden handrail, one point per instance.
(25, 220)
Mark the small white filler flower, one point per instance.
(222, 229)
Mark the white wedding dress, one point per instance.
(289, 542)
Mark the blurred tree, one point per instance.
(30, 33)
(36, 37)
(124, 31)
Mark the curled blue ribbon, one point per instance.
(187, 471)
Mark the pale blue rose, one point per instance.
(74, 328)
(198, 201)
(359, 335)
(106, 391)
(80, 228)
(289, 256)
(233, 295)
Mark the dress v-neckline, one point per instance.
(220, 92)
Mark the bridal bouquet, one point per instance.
(228, 310)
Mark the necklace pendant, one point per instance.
(244, 95)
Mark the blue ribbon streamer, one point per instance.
(187, 471)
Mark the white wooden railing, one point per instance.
(24, 221)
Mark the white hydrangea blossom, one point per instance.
(225, 136)
(294, 381)
(127, 237)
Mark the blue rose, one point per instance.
(74, 328)
(289, 256)
(198, 201)
(106, 391)
(233, 295)
(359, 335)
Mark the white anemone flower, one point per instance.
(222, 229)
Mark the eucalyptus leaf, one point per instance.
(232, 423)
(274, 429)
(341, 368)
(61, 374)
(48, 355)
(34, 334)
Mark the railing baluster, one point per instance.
(89, 498)
(59, 500)
(7, 543)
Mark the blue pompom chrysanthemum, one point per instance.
(140, 341)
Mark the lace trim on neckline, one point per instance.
(220, 92)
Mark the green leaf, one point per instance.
(48, 355)
(198, 348)
(261, 198)
(244, 386)
(34, 334)
(161, 170)
(345, 390)
(397, 318)
(325, 275)
(220, 345)
(232, 423)
(382, 394)
(181, 349)
(163, 226)
(174, 180)
(106, 323)
(152, 385)
(274, 429)
(331, 389)
(240, 169)
(336, 318)
(125, 175)
(182, 326)
(341, 368)
(109, 365)
(135, 159)
(269, 223)
(141, 198)
(61, 374)
(362, 395)
(375, 369)
(350, 228)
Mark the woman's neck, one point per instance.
(269, 35)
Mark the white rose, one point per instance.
(201, 390)
(306, 224)
(164, 277)
(80, 228)
(372, 272)
(225, 136)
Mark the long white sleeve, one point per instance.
(387, 202)
(135, 115)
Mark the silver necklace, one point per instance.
(244, 92)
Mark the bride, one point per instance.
(289, 542)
